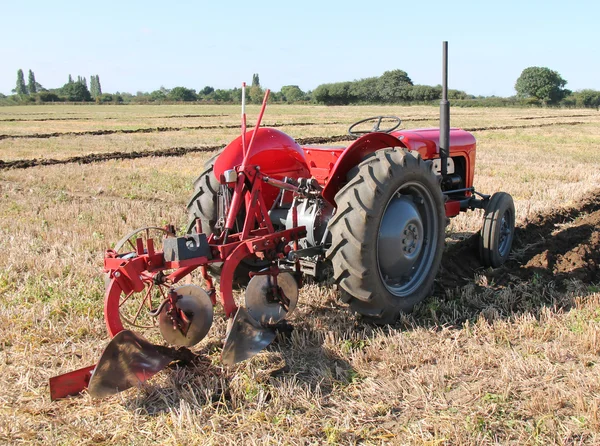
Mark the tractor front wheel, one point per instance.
(387, 234)
(498, 230)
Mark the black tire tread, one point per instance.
(488, 242)
(352, 229)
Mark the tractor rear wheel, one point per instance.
(498, 230)
(387, 234)
(204, 205)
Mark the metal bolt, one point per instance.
(117, 274)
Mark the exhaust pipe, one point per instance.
(444, 115)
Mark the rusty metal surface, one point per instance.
(127, 361)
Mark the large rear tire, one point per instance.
(204, 205)
(387, 234)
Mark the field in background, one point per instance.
(507, 356)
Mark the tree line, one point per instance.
(536, 86)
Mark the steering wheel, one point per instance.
(395, 119)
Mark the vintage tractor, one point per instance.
(267, 212)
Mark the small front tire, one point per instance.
(498, 230)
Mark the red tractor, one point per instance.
(266, 212)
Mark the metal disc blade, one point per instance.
(196, 304)
(245, 339)
(259, 306)
(128, 360)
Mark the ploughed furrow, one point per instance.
(528, 126)
(526, 118)
(159, 129)
(98, 157)
(560, 245)
(173, 151)
(180, 151)
(83, 118)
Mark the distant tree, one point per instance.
(158, 95)
(76, 92)
(255, 80)
(255, 94)
(366, 90)
(321, 94)
(339, 93)
(541, 83)
(46, 96)
(182, 94)
(103, 98)
(70, 81)
(224, 95)
(93, 91)
(457, 94)
(587, 98)
(292, 93)
(424, 93)
(207, 90)
(31, 85)
(394, 86)
(21, 88)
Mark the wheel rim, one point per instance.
(505, 233)
(407, 239)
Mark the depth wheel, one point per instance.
(132, 311)
(387, 234)
(498, 230)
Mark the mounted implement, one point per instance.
(266, 213)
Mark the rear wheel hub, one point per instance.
(403, 252)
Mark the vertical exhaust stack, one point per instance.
(444, 115)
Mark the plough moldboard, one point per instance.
(265, 214)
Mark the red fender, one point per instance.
(352, 155)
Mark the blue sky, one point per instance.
(136, 45)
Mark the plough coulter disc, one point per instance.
(198, 308)
(263, 306)
(127, 361)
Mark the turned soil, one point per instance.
(560, 245)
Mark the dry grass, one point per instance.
(480, 365)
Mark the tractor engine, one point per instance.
(314, 214)
(308, 209)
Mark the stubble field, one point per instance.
(508, 356)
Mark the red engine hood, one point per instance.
(427, 141)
